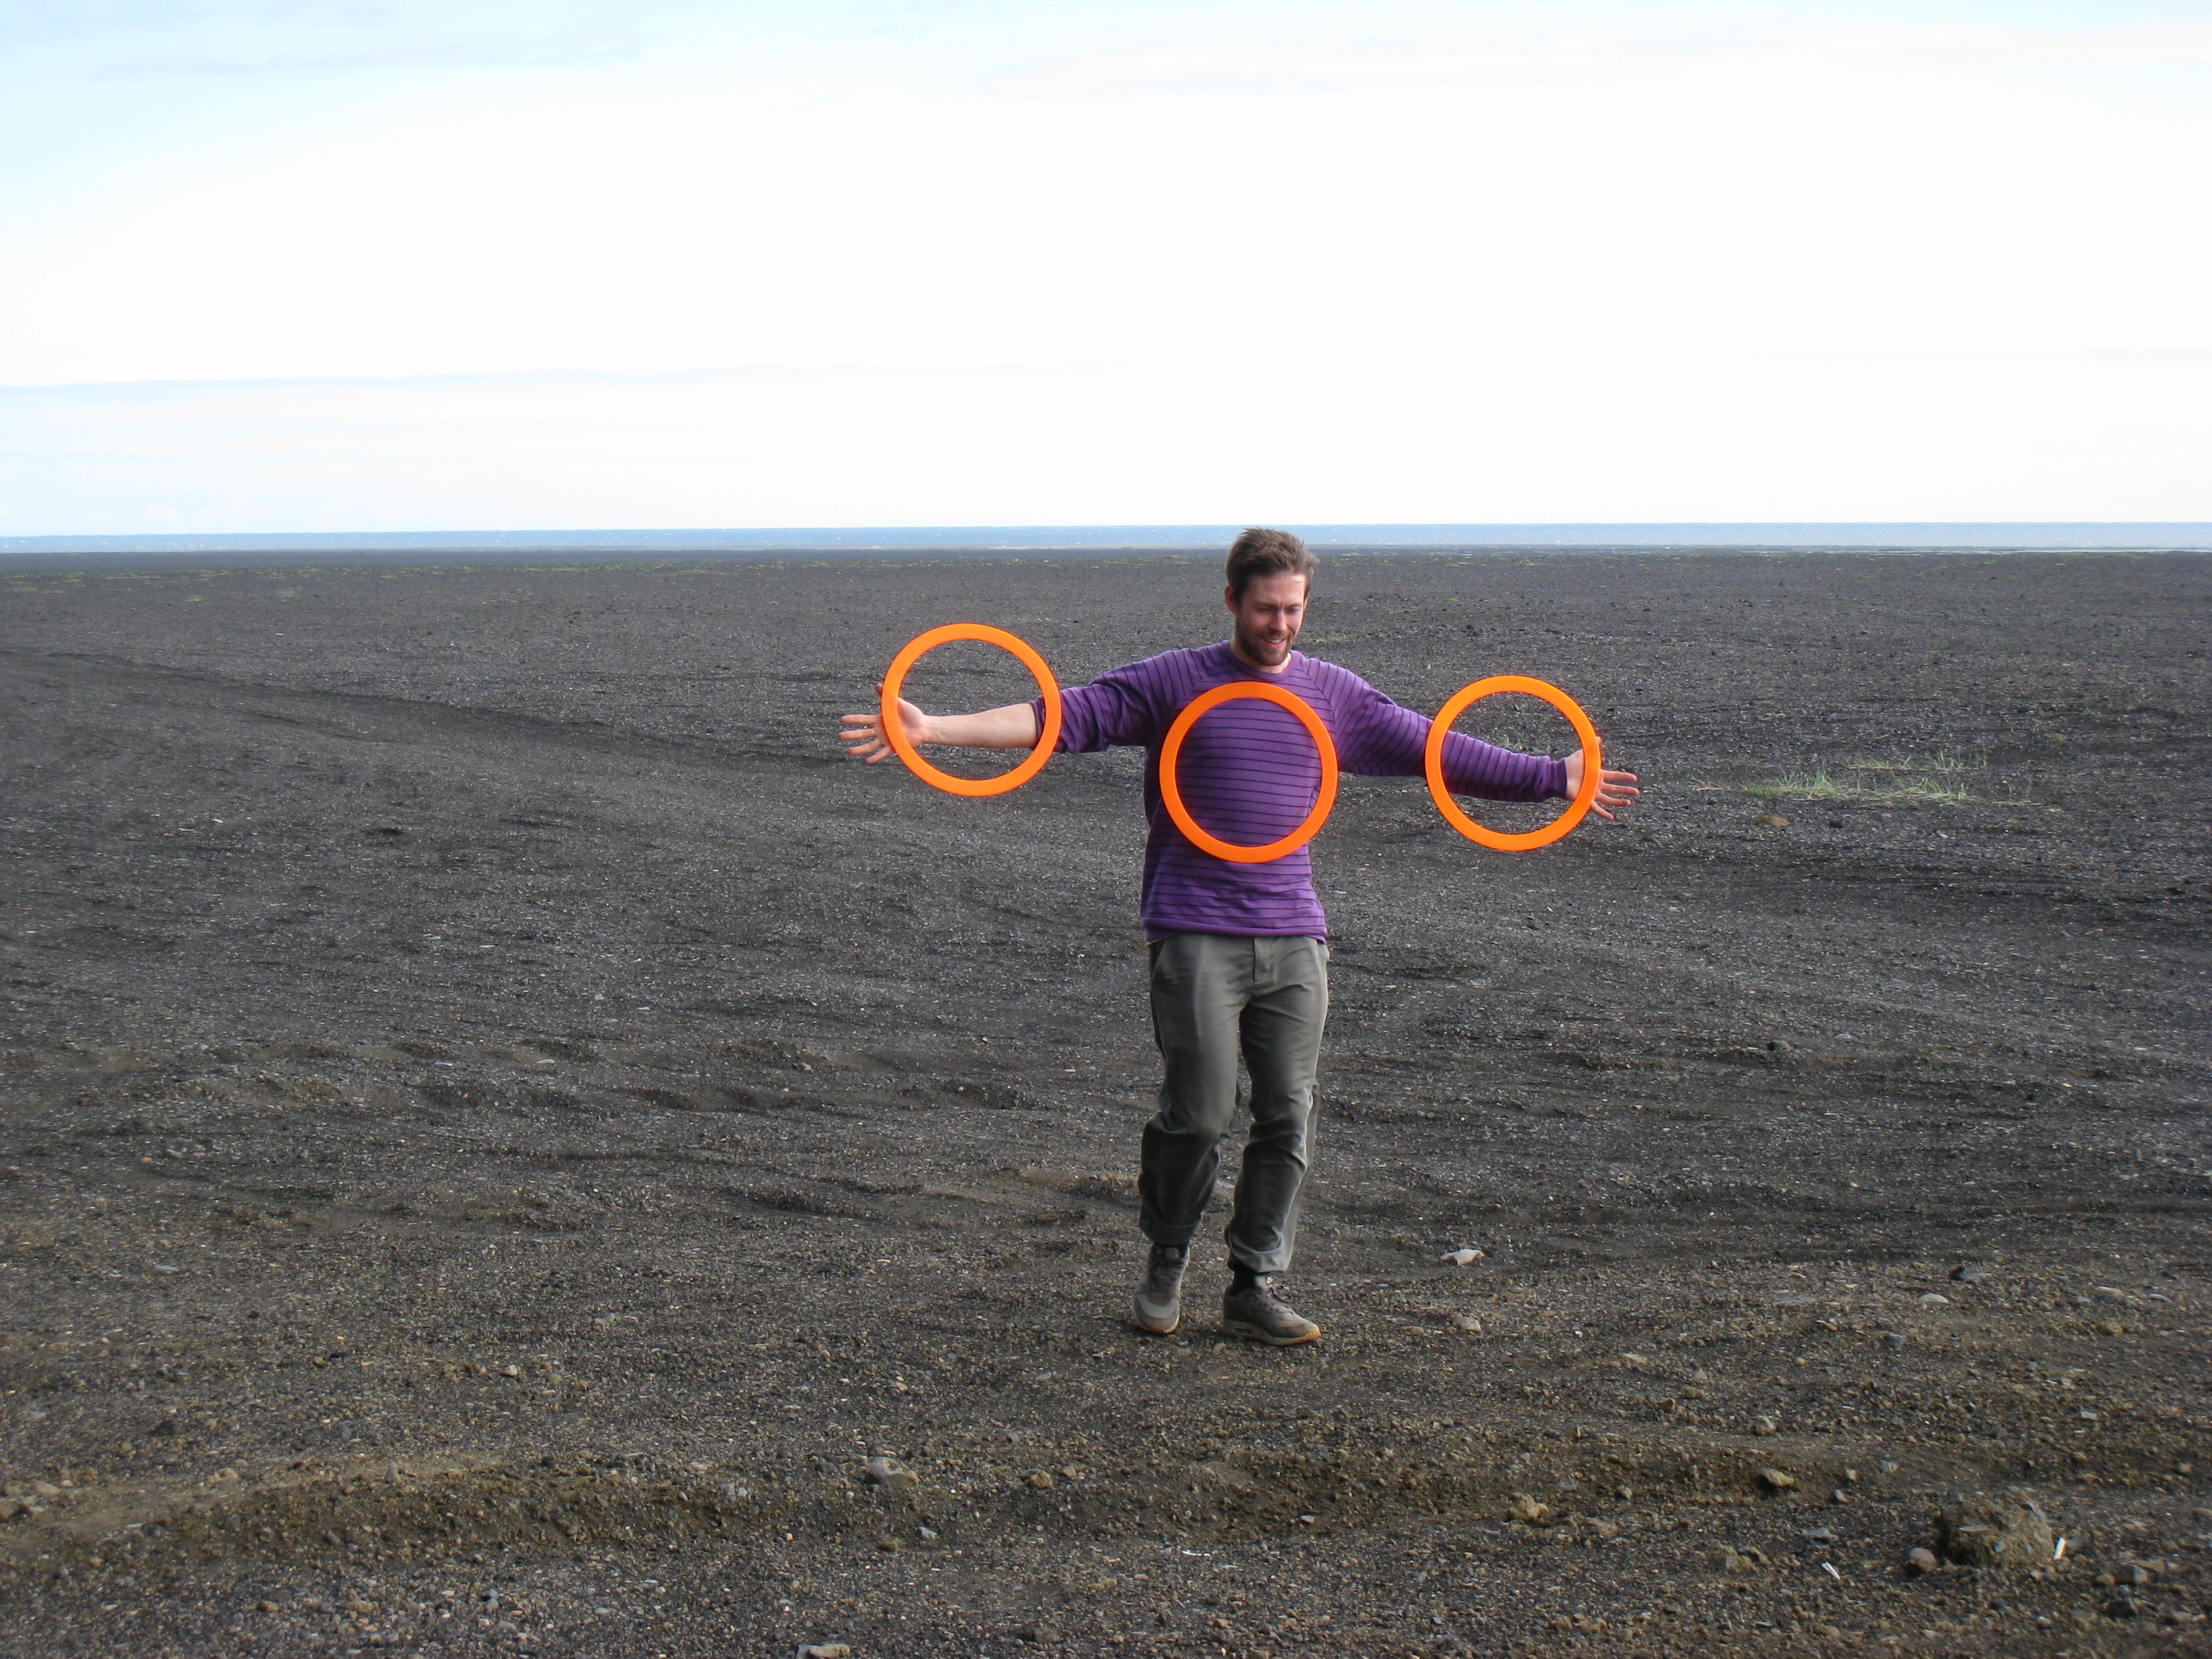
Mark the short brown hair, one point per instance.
(1259, 553)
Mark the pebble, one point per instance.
(1923, 1560)
(1042, 1481)
(1528, 1510)
(889, 1472)
(1892, 1341)
(1982, 1533)
(1970, 1275)
(826, 1651)
(1772, 821)
(1934, 1299)
(1818, 1535)
(1777, 1479)
(1466, 1322)
(1462, 1258)
(2108, 1293)
(1764, 1425)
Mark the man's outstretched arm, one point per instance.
(1385, 738)
(1012, 727)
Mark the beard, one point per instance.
(1267, 652)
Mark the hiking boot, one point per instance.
(1159, 1295)
(1254, 1311)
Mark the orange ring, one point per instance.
(1171, 750)
(919, 647)
(1432, 761)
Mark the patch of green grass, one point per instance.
(1935, 763)
(1817, 785)
(1807, 785)
(1939, 794)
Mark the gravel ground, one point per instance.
(500, 1124)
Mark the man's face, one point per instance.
(1267, 618)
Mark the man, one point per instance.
(1239, 951)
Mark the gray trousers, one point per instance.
(1216, 996)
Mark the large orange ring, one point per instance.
(919, 647)
(1171, 750)
(1433, 763)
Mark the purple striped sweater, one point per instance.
(1249, 774)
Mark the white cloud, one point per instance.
(1068, 234)
(1545, 56)
(689, 232)
(2101, 436)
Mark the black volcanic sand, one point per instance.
(502, 1121)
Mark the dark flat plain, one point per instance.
(502, 1121)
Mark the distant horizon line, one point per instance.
(1960, 535)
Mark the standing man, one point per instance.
(1239, 951)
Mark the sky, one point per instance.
(372, 264)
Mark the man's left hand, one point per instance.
(1613, 789)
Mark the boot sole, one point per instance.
(1252, 1333)
(1146, 1328)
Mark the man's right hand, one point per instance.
(1013, 727)
(862, 734)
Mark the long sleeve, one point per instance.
(1378, 738)
(1121, 707)
(1249, 773)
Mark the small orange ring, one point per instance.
(1433, 763)
(1171, 750)
(919, 647)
